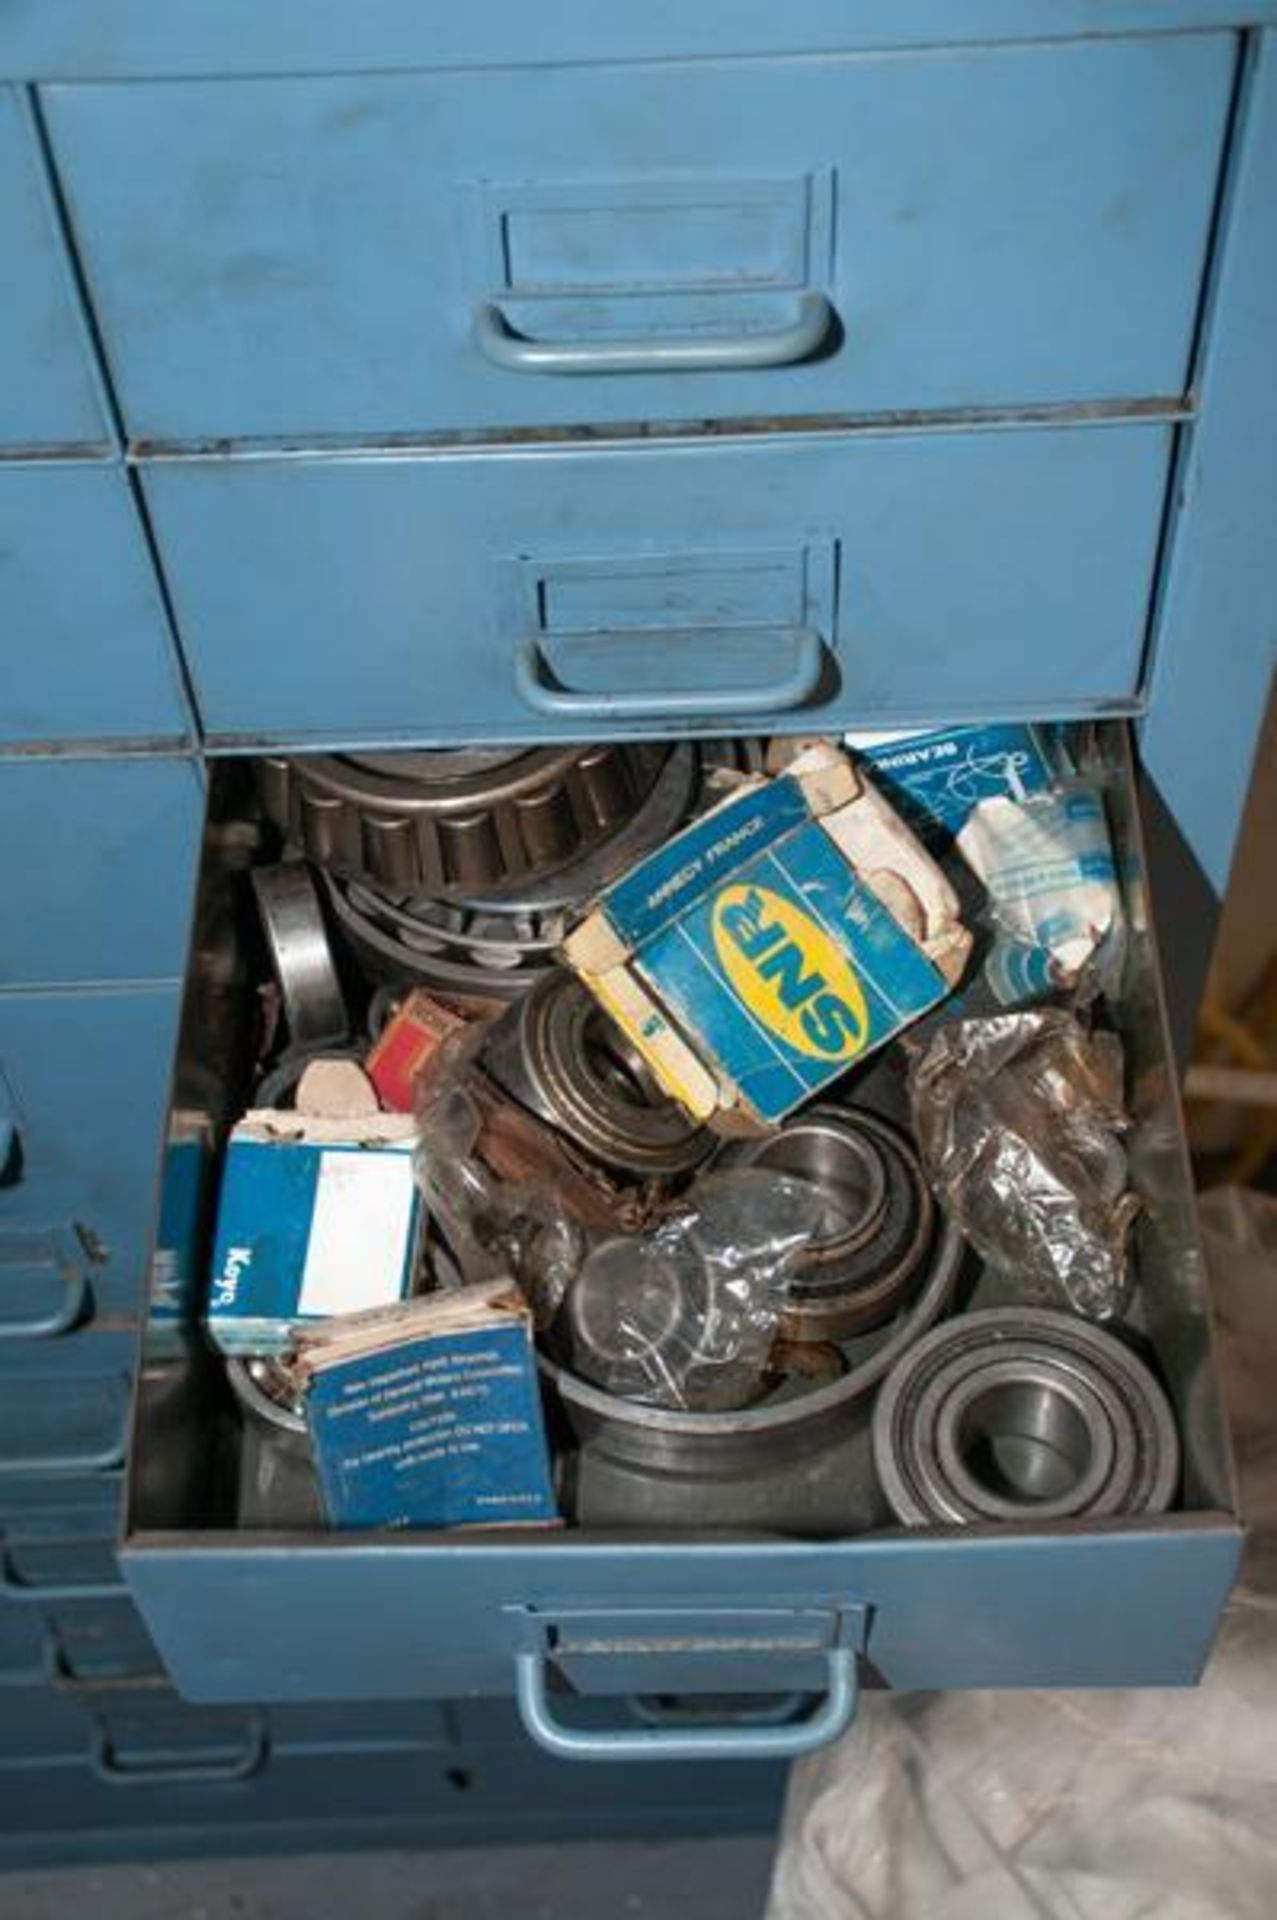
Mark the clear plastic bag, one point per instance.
(1018, 1119)
(672, 1302)
(686, 1314)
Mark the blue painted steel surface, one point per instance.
(85, 1078)
(85, 644)
(99, 861)
(375, 599)
(1217, 630)
(276, 1620)
(49, 393)
(114, 39)
(312, 256)
(992, 224)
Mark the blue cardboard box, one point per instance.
(430, 1416)
(787, 934)
(315, 1218)
(937, 778)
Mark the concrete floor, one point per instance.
(633, 1880)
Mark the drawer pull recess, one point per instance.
(783, 346)
(771, 696)
(761, 1740)
(180, 1763)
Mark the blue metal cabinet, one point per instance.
(84, 639)
(784, 582)
(84, 1083)
(406, 253)
(99, 858)
(50, 394)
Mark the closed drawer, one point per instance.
(799, 581)
(400, 254)
(57, 1540)
(83, 1088)
(68, 1418)
(669, 1605)
(88, 654)
(50, 393)
(98, 859)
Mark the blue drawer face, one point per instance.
(83, 1087)
(86, 645)
(49, 391)
(400, 254)
(99, 859)
(575, 594)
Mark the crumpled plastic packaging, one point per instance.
(674, 1303)
(686, 1315)
(1046, 862)
(1018, 1119)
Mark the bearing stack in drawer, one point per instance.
(764, 1581)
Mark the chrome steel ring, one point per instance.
(559, 1055)
(1023, 1414)
(262, 1387)
(454, 950)
(880, 1220)
(455, 822)
(301, 958)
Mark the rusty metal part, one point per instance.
(1022, 1413)
(868, 1254)
(457, 821)
(559, 1055)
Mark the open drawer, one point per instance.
(765, 1591)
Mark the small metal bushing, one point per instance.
(1023, 1414)
(876, 1224)
(559, 1055)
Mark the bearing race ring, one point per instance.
(453, 822)
(861, 1281)
(949, 1400)
(301, 958)
(559, 1055)
(258, 1384)
(931, 1394)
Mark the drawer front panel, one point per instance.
(49, 390)
(409, 253)
(98, 859)
(83, 1086)
(576, 594)
(86, 648)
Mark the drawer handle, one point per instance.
(34, 1593)
(104, 1758)
(783, 346)
(762, 1741)
(772, 696)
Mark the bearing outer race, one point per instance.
(833, 1302)
(301, 958)
(948, 1394)
(1094, 1354)
(530, 1057)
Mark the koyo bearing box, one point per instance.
(315, 1218)
(788, 933)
